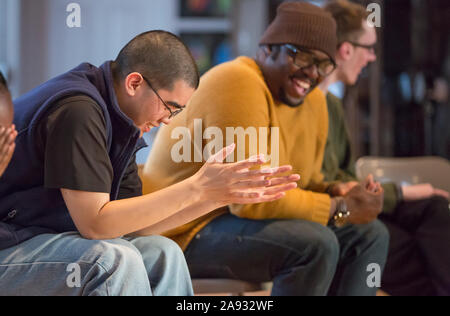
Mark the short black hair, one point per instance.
(161, 57)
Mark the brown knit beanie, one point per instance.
(305, 25)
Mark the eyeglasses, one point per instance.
(305, 59)
(370, 48)
(172, 113)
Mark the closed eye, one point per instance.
(175, 105)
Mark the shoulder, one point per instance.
(77, 109)
(241, 71)
(334, 103)
(317, 101)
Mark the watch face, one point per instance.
(340, 222)
(340, 219)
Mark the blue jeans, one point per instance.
(67, 264)
(300, 257)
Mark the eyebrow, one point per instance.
(315, 53)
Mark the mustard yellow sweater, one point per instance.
(235, 95)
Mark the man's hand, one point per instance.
(364, 203)
(7, 146)
(422, 192)
(237, 183)
(341, 189)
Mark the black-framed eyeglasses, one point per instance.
(177, 106)
(304, 58)
(370, 48)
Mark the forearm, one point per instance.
(182, 217)
(122, 217)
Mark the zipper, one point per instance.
(10, 216)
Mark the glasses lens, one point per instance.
(303, 59)
(326, 67)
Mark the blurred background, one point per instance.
(400, 106)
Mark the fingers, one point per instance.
(371, 185)
(376, 188)
(368, 183)
(265, 183)
(7, 135)
(4, 134)
(249, 163)
(222, 155)
(255, 198)
(5, 159)
(5, 141)
(12, 137)
(251, 184)
(280, 189)
(270, 172)
(285, 180)
(267, 194)
(442, 193)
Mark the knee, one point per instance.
(378, 234)
(116, 268)
(161, 247)
(119, 254)
(326, 243)
(160, 250)
(321, 243)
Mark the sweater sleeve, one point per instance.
(391, 198)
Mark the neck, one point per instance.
(328, 81)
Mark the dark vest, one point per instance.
(27, 208)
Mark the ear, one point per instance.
(265, 51)
(345, 51)
(133, 82)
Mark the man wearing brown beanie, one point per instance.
(306, 243)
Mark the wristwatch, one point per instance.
(342, 213)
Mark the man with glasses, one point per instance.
(299, 242)
(417, 216)
(73, 220)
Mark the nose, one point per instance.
(372, 55)
(312, 72)
(166, 121)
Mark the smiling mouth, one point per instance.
(301, 86)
